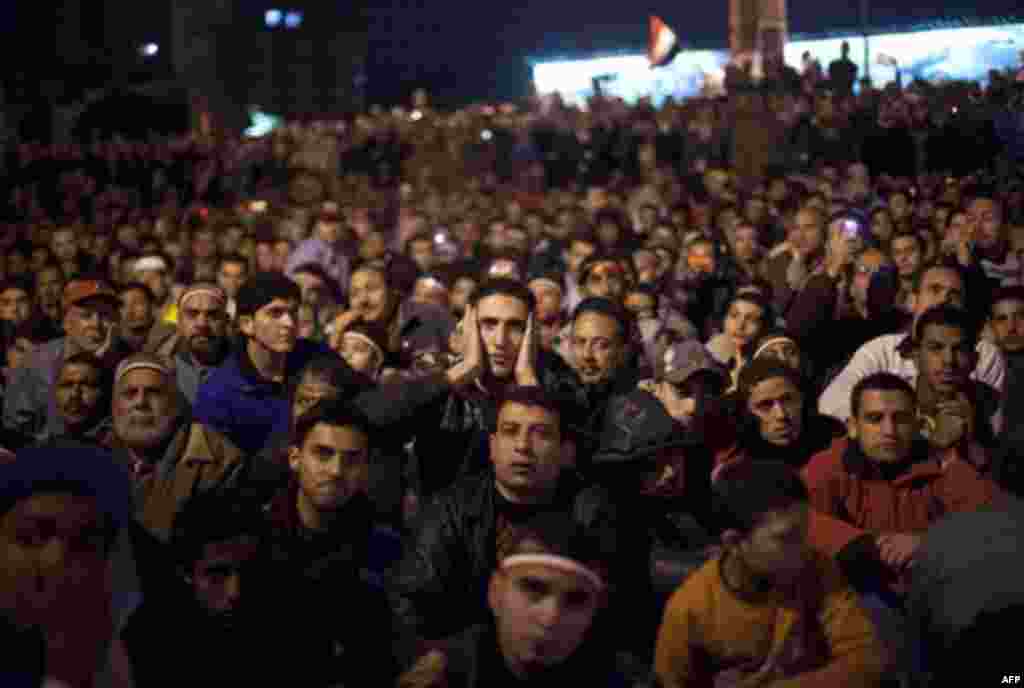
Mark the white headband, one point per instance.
(150, 263)
(556, 562)
(197, 291)
(126, 368)
(771, 342)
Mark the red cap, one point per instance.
(77, 291)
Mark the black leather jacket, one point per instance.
(451, 434)
(440, 587)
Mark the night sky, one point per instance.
(477, 49)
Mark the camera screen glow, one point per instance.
(293, 20)
(937, 55)
(272, 18)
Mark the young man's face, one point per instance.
(985, 217)
(598, 347)
(231, 276)
(421, 252)
(64, 245)
(885, 425)
(867, 265)
(314, 289)
(15, 305)
(743, 322)
(359, 355)
(746, 245)
(907, 255)
(776, 548)
(939, 286)
(77, 393)
(900, 207)
(542, 616)
(526, 450)
(331, 466)
(54, 546)
(945, 359)
(1008, 325)
(275, 326)
(217, 577)
(502, 319)
(606, 280)
(430, 290)
(778, 406)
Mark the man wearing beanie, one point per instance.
(246, 397)
(171, 456)
(198, 343)
(56, 613)
(90, 317)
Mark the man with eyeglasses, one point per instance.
(90, 315)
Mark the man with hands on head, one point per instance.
(500, 348)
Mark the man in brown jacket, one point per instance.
(171, 457)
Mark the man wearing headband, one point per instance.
(154, 270)
(544, 597)
(171, 456)
(441, 585)
(90, 316)
(198, 343)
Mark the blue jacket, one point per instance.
(246, 408)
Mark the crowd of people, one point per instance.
(520, 396)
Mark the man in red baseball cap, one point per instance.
(90, 307)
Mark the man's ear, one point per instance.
(494, 589)
(851, 428)
(245, 325)
(293, 458)
(492, 440)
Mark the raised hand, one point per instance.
(471, 367)
(526, 361)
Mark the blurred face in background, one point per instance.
(746, 246)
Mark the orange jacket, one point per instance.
(849, 501)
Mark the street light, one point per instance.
(149, 49)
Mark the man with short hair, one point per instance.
(137, 320)
(500, 350)
(768, 609)
(225, 607)
(939, 283)
(64, 246)
(326, 548)
(881, 488)
(198, 343)
(49, 282)
(1006, 324)
(842, 73)
(440, 587)
(90, 318)
(82, 392)
(172, 455)
(232, 272)
(581, 245)
(15, 302)
(245, 397)
(544, 597)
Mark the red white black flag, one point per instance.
(663, 45)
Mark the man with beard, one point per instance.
(198, 343)
(171, 456)
(600, 352)
(90, 316)
(136, 315)
(83, 398)
(246, 398)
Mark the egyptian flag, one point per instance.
(663, 45)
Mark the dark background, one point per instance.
(460, 50)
